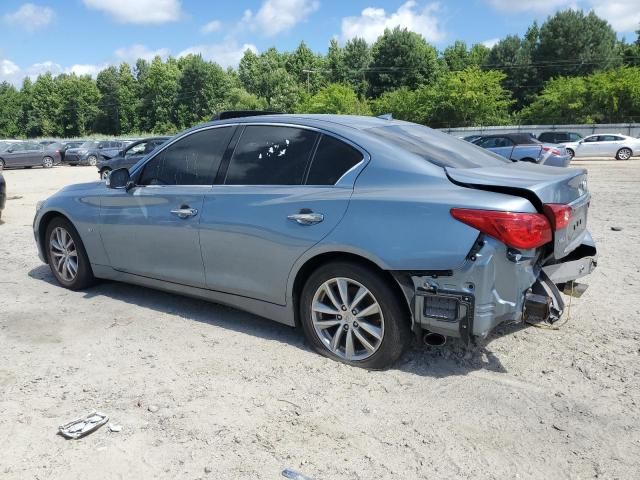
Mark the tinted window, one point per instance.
(593, 138)
(193, 160)
(267, 155)
(332, 160)
(547, 137)
(607, 138)
(574, 137)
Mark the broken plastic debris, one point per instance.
(293, 475)
(115, 428)
(84, 425)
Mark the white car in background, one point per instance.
(621, 147)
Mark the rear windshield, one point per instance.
(439, 148)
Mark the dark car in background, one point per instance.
(523, 147)
(27, 155)
(129, 156)
(559, 137)
(3, 193)
(90, 151)
(64, 146)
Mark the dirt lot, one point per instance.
(240, 397)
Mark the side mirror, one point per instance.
(9, 150)
(119, 179)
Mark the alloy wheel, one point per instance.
(64, 254)
(624, 154)
(92, 160)
(347, 318)
(47, 162)
(105, 174)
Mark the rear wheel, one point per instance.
(351, 314)
(92, 160)
(571, 153)
(47, 162)
(624, 154)
(68, 259)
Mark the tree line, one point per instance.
(570, 69)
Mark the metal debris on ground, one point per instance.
(293, 475)
(616, 229)
(84, 425)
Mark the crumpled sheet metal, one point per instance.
(84, 425)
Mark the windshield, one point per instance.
(438, 148)
(89, 145)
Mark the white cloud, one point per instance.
(373, 21)
(540, 6)
(211, 27)
(86, 69)
(277, 16)
(136, 51)
(623, 15)
(226, 54)
(139, 11)
(30, 17)
(491, 42)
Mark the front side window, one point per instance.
(192, 160)
(332, 160)
(271, 155)
(136, 149)
(593, 138)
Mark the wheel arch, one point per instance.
(304, 271)
(42, 229)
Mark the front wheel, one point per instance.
(571, 153)
(47, 162)
(68, 259)
(1, 164)
(105, 173)
(92, 160)
(350, 313)
(624, 154)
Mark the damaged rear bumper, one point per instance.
(496, 285)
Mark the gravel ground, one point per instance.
(204, 391)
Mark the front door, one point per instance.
(271, 208)
(153, 229)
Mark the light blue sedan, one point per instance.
(361, 230)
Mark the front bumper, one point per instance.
(495, 285)
(76, 159)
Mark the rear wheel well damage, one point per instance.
(396, 283)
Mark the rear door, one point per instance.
(153, 229)
(608, 145)
(264, 215)
(34, 152)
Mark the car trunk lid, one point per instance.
(541, 186)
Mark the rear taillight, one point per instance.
(554, 151)
(517, 230)
(558, 214)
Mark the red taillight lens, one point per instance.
(517, 230)
(554, 151)
(559, 214)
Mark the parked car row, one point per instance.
(557, 147)
(27, 154)
(129, 156)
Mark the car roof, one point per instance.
(346, 121)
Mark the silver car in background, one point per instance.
(362, 230)
(620, 147)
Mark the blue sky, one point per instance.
(83, 36)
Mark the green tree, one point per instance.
(128, 98)
(46, 106)
(159, 87)
(237, 98)
(108, 118)
(334, 98)
(357, 60)
(9, 111)
(402, 104)
(467, 98)
(79, 98)
(563, 100)
(401, 59)
(335, 63)
(571, 43)
(306, 68)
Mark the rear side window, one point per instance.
(332, 160)
(437, 147)
(192, 160)
(574, 137)
(271, 155)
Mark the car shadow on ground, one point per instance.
(453, 359)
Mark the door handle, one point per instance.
(185, 212)
(306, 218)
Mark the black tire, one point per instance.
(396, 332)
(624, 154)
(84, 276)
(1, 164)
(571, 153)
(92, 160)
(47, 162)
(528, 159)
